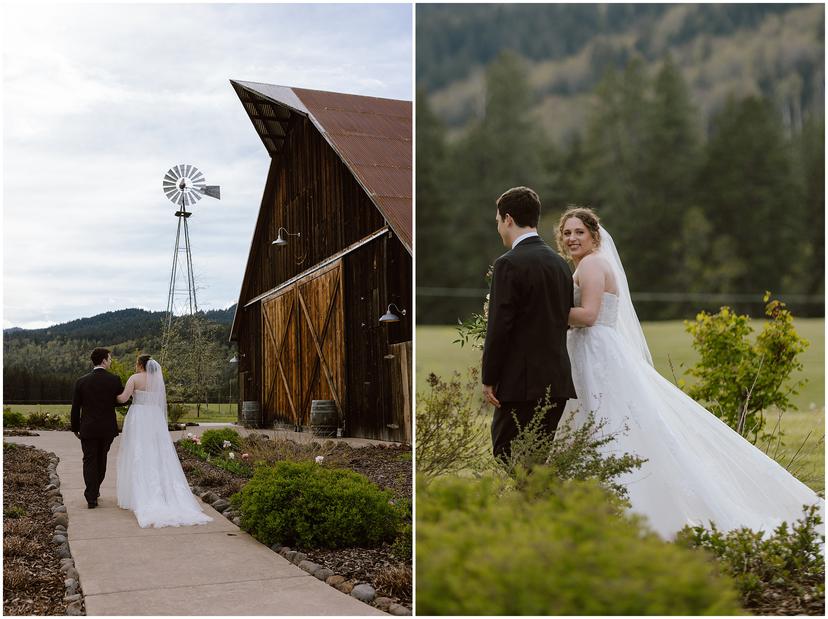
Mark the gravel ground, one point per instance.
(32, 580)
(388, 467)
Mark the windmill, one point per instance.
(184, 185)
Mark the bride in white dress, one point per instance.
(150, 480)
(698, 469)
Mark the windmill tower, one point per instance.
(184, 185)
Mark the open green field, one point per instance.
(668, 342)
(215, 413)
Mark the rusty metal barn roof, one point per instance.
(371, 135)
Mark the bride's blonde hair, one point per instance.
(589, 219)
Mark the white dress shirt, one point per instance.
(521, 237)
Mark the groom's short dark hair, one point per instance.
(523, 204)
(98, 355)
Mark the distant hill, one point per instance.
(771, 50)
(42, 364)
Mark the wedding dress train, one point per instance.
(150, 480)
(698, 469)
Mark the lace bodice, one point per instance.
(608, 314)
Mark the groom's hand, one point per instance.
(489, 394)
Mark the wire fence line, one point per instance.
(645, 297)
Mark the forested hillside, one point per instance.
(43, 364)
(699, 140)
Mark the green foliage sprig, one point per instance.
(213, 440)
(451, 432)
(782, 573)
(576, 452)
(737, 378)
(308, 504)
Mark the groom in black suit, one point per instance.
(525, 351)
(94, 422)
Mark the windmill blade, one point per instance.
(214, 191)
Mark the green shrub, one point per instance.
(402, 546)
(46, 421)
(213, 440)
(175, 412)
(451, 434)
(778, 574)
(193, 447)
(310, 505)
(573, 453)
(232, 465)
(13, 419)
(554, 548)
(737, 378)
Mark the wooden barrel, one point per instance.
(324, 418)
(251, 417)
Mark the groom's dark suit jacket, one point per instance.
(529, 302)
(93, 405)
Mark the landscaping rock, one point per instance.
(72, 573)
(221, 505)
(323, 573)
(60, 527)
(383, 604)
(236, 521)
(346, 587)
(364, 593)
(71, 586)
(399, 610)
(74, 609)
(59, 509)
(53, 492)
(72, 598)
(276, 547)
(289, 554)
(59, 539)
(50, 487)
(298, 558)
(61, 518)
(309, 566)
(209, 497)
(335, 580)
(63, 551)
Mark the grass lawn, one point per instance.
(214, 413)
(436, 353)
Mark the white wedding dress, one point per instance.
(698, 469)
(150, 480)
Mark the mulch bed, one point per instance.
(19, 433)
(387, 466)
(32, 580)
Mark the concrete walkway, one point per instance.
(212, 569)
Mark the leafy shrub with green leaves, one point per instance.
(46, 421)
(780, 574)
(311, 505)
(194, 447)
(13, 419)
(175, 412)
(551, 548)
(451, 433)
(738, 378)
(213, 440)
(573, 453)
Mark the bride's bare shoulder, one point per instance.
(596, 261)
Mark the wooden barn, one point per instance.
(338, 197)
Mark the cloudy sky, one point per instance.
(100, 100)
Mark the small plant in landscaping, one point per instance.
(214, 441)
(310, 505)
(778, 573)
(13, 419)
(46, 421)
(175, 412)
(15, 511)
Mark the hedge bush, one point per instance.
(483, 549)
(779, 573)
(46, 421)
(310, 505)
(213, 440)
(13, 419)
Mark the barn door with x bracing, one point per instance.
(304, 356)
